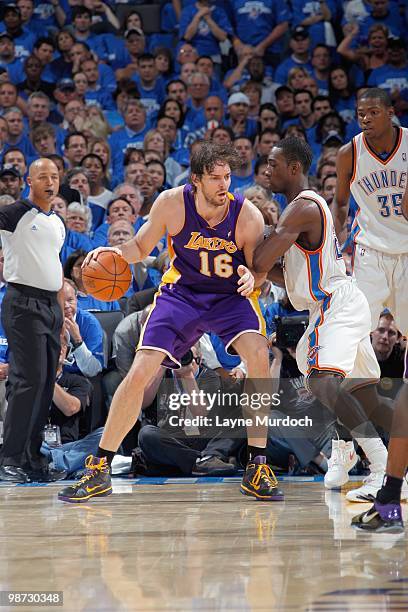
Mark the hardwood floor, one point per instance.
(199, 547)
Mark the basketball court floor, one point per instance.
(198, 544)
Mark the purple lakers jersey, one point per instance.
(206, 258)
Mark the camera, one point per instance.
(289, 330)
(187, 358)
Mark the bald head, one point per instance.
(42, 164)
(43, 180)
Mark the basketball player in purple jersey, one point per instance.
(212, 235)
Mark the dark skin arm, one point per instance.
(404, 206)
(300, 221)
(340, 206)
(275, 275)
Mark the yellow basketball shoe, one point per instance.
(96, 482)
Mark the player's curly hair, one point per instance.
(208, 155)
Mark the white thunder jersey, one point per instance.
(377, 186)
(312, 276)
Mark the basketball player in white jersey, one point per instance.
(336, 348)
(373, 167)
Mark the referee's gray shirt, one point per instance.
(32, 240)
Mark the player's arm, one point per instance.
(142, 244)
(340, 206)
(404, 205)
(299, 217)
(252, 226)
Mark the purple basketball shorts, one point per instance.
(180, 316)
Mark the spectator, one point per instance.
(75, 148)
(163, 59)
(72, 394)
(150, 86)
(341, 94)
(261, 30)
(303, 107)
(321, 67)
(73, 240)
(238, 109)
(297, 78)
(43, 50)
(44, 139)
(393, 75)
(268, 117)
(253, 91)
(33, 69)
(100, 147)
(86, 336)
(120, 209)
(328, 189)
(316, 17)
(198, 89)
(131, 193)
(131, 135)
(299, 44)
(366, 57)
(9, 60)
(14, 157)
(73, 116)
(205, 26)
(95, 93)
(8, 96)
(125, 64)
(79, 218)
(266, 140)
(380, 12)
(243, 177)
(285, 102)
(99, 195)
(17, 136)
(321, 105)
(64, 93)
(61, 66)
(385, 340)
(119, 232)
(23, 39)
(73, 272)
(11, 182)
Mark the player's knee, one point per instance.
(325, 386)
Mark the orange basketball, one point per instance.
(108, 278)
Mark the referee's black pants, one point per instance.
(32, 319)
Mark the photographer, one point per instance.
(311, 446)
(167, 449)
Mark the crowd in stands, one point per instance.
(119, 101)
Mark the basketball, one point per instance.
(108, 278)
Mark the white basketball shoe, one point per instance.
(370, 487)
(343, 458)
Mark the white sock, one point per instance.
(375, 452)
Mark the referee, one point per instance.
(32, 316)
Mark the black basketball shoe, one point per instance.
(260, 482)
(380, 518)
(96, 482)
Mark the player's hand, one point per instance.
(4, 370)
(93, 255)
(246, 282)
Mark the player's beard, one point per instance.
(215, 200)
